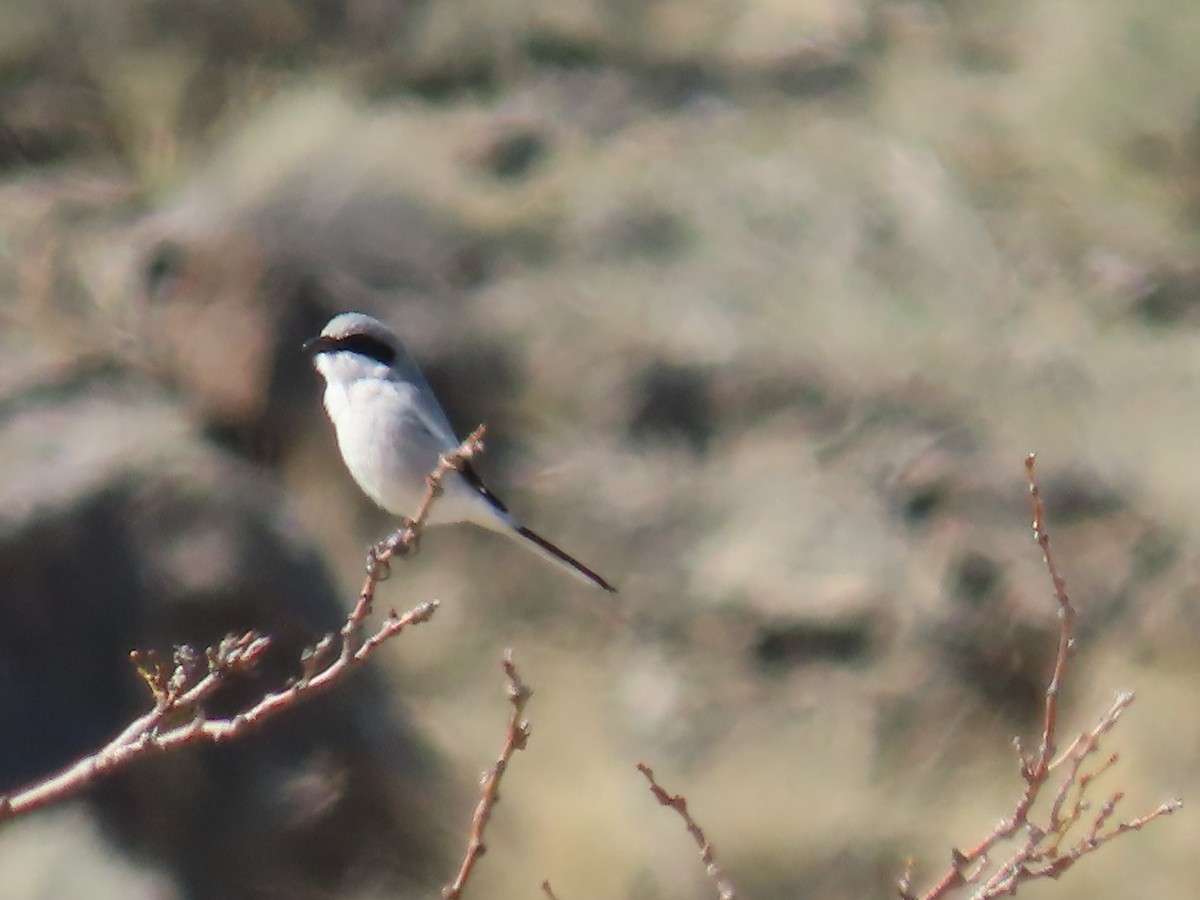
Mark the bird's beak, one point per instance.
(316, 345)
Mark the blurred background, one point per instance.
(763, 303)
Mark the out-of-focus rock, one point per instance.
(1168, 299)
(121, 529)
(258, 250)
(62, 853)
(513, 152)
(840, 623)
(989, 642)
(789, 526)
(674, 405)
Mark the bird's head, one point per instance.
(353, 346)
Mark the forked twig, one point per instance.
(180, 690)
(1048, 849)
(405, 539)
(678, 802)
(515, 738)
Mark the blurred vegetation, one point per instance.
(763, 304)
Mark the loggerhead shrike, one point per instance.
(391, 431)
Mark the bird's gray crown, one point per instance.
(357, 333)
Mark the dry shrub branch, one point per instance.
(1071, 827)
(180, 689)
(679, 803)
(515, 738)
(1041, 845)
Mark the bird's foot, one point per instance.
(402, 542)
(378, 568)
(406, 540)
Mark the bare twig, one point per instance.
(1042, 854)
(904, 882)
(678, 803)
(1066, 631)
(515, 739)
(548, 891)
(180, 690)
(405, 539)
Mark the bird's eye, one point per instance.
(368, 346)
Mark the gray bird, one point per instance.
(391, 431)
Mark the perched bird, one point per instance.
(392, 430)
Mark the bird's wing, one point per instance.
(428, 414)
(471, 477)
(430, 418)
(424, 400)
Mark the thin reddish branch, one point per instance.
(548, 891)
(515, 738)
(678, 802)
(1041, 854)
(405, 539)
(180, 691)
(1066, 631)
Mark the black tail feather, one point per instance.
(565, 558)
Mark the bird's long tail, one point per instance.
(500, 519)
(547, 550)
